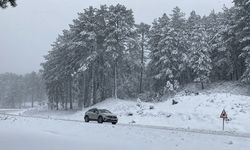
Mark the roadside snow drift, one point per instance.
(195, 112)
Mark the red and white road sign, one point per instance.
(223, 114)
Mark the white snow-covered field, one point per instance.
(18, 133)
(192, 112)
(141, 125)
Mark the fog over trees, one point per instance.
(104, 54)
(19, 91)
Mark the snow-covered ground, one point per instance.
(193, 111)
(18, 133)
(198, 112)
(141, 125)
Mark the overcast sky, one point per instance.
(27, 31)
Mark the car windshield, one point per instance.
(104, 111)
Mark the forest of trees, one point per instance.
(20, 91)
(104, 54)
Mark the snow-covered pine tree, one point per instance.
(191, 24)
(143, 33)
(178, 45)
(199, 52)
(99, 49)
(243, 32)
(159, 68)
(231, 46)
(120, 23)
(215, 28)
(168, 45)
(57, 70)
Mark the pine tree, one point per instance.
(120, 23)
(216, 27)
(159, 67)
(143, 33)
(178, 45)
(199, 53)
(17, 90)
(99, 48)
(243, 32)
(169, 48)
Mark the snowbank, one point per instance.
(195, 112)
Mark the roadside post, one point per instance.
(223, 115)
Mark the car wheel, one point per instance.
(100, 119)
(114, 122)
(86, 118)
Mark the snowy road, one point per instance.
(35, 133)
(198, 131)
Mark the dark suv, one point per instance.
(100, 115)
